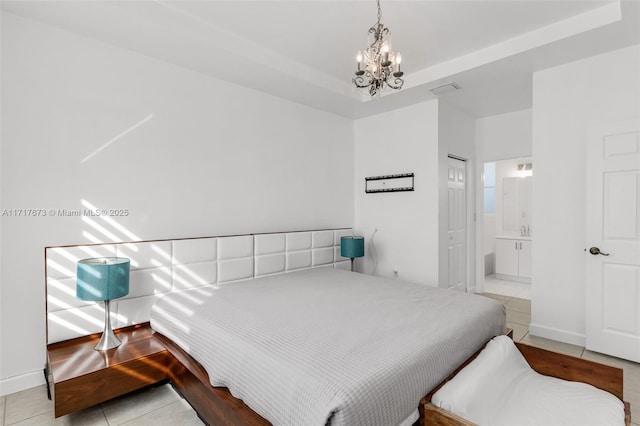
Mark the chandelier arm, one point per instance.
(395, 83)
(361, 82)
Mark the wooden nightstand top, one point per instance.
(77, 357)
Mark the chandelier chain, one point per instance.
(379, 12)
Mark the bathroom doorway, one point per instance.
(507, 229)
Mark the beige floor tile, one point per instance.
(90, 417)
(522, 318)
(612, 360)
(26, 404)
(127, 407)
(176, 413)
(519, 331)
(2, 399)
(500, 298)
(631, 391)
(506, 287)
(520, 305)
(631, 386)
(553, 345)
(635, 412)
(631, 378)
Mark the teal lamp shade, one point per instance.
(103, 278)
(352, 247)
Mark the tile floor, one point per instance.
(161, 405)
(508, 288)
(154, 406)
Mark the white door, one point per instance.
(457, 224)
(613, 228)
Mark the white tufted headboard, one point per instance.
(165, 266)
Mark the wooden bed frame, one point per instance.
(544, 362)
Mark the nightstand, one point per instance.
(82, 377)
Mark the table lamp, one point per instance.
(352, 247)
(103, 279)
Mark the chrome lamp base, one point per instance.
(108, 339)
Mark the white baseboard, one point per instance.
(513, 278)
(21, 382)
(557, 334)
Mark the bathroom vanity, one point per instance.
(513, 258)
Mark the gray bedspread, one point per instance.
(327, 346)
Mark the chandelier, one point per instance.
(378, 66)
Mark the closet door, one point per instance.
(457, 224)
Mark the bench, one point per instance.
(544, 362)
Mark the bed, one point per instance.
(257, 272)
(324, 345)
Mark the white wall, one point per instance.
(503, 136)
(186, 154)
(400, 141)
(456, 137)
(490, 226)
(409, 239)
(567, 100)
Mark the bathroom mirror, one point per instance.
(516, 203)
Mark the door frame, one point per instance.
(479, 217)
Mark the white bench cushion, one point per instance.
(500, 388)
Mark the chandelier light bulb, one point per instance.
(398, 72)
(359, 58)
(385, 54)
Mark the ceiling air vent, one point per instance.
(445, 88)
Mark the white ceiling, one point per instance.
(304, 50)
